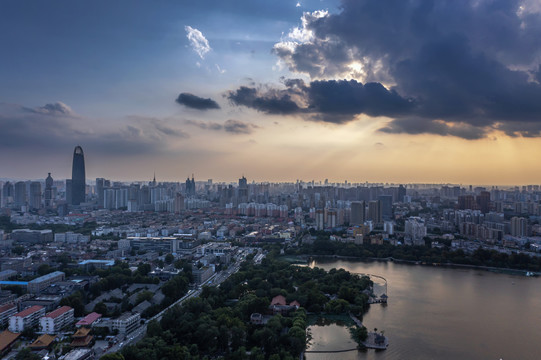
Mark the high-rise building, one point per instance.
(190, 187)
(78, 177)
(320, 219)
(243, 189)
(20, 194)
(519, 226)
(386, 202)
(415, 228)
(466, 202)
(483, 201)
(100, 183)
(179, 202)
(7, 193)
(35, 195)
(358, 213)
(401, 193)
(48, 195)
(374, 212)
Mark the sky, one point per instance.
(396, 91)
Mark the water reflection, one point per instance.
(444, 313)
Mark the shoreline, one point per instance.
(306, 257)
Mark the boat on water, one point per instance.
(529, 273)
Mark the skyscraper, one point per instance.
(358, 213)
(386, 202)
(374, 211)
(7, 194)
(243, 189)
(78, 178)
(99, 190)
(190, 187)
(48, 191)
(20, 194)
(35, 195)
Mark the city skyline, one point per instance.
(393, 91)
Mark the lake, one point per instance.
(442, 313)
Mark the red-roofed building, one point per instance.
(279, 306)
(88, 320)
(56, 320)
(5, 312)
(26, 318)
(278, 300)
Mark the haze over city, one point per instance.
(394, 91)
(270, 179)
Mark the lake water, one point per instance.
(442, 313)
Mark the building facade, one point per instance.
(56, 320)
(26, 319)
(78, 177)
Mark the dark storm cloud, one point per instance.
(459, 68)
(53, 128)
(326, 100)
(196, 102)
(270, 101)
(416, 126)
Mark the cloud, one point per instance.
(57, 108)
(417, 126)
(204, 125)
(198, 42)
(230, 126)
(239, 127)
(50, 128)
(196, 102)
(335, 101)
(449, 67)
(270, 101)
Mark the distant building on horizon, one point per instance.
(48, 191)
(78, 178)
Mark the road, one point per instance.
(136, 335)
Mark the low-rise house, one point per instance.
(88, 320)
(256, 319)
(42, 342)
(279, 306)
(7, 339)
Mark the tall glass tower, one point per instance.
(78, 179)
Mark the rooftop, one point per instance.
(6, 339)
(90, 261)
(6, 307)
(29, 311)
(89, 319)
(56, 313)
(43, 341)
(47, 277)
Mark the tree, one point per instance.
(100, 308)
(143, 269)
(169, 258)
(113, 356)
(27, 354)
(18, 249)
